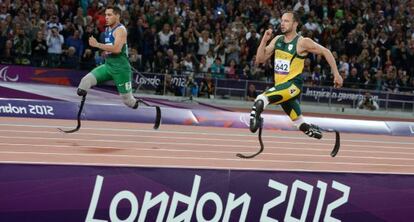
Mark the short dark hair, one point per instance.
(115, 9)
(296, 17)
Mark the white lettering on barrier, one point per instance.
(179, 81)
(339, 96)
(147, 81)
(13, 109)
(149, 203)
(127, 195)
(94, 201)
(303, 186)
(322, 186)
(217, 201)
(337, 203)
(276, 201)
(30, 109)
(232, 203)
(190, 201)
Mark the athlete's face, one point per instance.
(110, 17)
(288, 24)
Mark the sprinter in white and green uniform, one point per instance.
(116, 67)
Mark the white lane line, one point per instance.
(197, 166)
(206, 133)
(205, 139)
(136, 142)
(199, 151)
(235, 159)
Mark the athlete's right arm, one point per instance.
(265, 51)
(120, 36)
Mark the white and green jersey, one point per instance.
(116, 62)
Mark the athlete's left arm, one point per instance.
(120, 39)
(308, 45)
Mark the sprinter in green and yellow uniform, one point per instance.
(290, 51)
(116, 67)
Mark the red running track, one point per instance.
(37, 141)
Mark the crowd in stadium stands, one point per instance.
(373, 41)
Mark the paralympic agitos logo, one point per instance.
(4, 77)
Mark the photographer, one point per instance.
(54, 42)
(368, 103)
(191, 87)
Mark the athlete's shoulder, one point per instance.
(275, 39)
(278, 37)
(120, 26)
(305, 40)
(120, 29)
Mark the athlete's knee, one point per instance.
(129, 100)
(81, 92)
(261, 100)
(86, 83)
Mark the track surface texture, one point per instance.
(37, 141)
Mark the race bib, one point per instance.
(282, 66)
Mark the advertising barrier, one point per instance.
(98, 194)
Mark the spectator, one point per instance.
(176, 41)
(122, 5)
(89, 32)
(307, 73)
(317, 76)
(88, 61)
(54, 23)
(304, 4)
(22, 47)
(188, 64)
(54, 42)
(189, 41)
(209, 58)
(251, 93)
(70, 59)
(252, 43)
(204, 43)
(233, 51)
(353, 79)
(159, 62)
(207, 87)
(231, 70)
(22, 19)
(403, 81)
(3, 11)
(136, 35)
(39, 50)
(164, 37)
(191, 87)
(99, 57)
(149, 48)
(7, 56)
(366, 81)
(344, 65)
(79, 20)
(217, 69)
(203, 67)
(76, 42)
(390, 83)
(379, 80)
